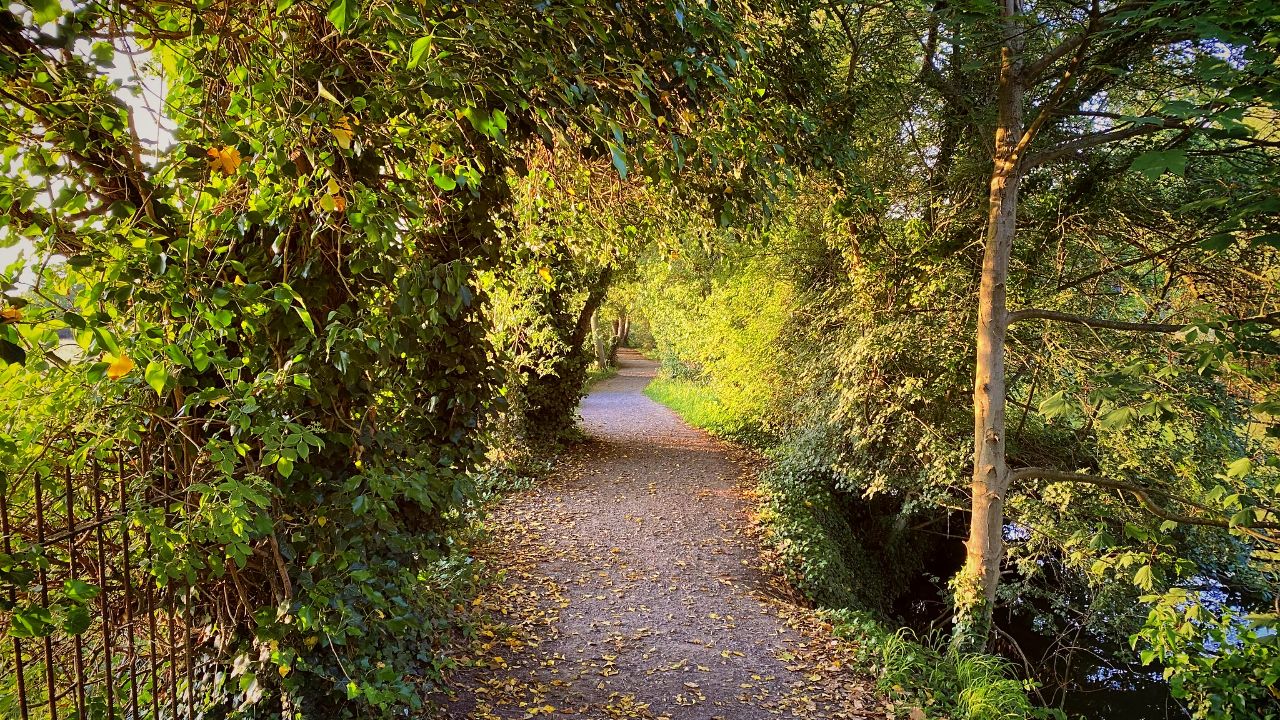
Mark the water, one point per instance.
(1084, 673)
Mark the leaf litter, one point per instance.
(631, 585)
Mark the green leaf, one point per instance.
(444, 182)
(156, 376)
(1240, 467)
(1179, 109)
(30, 622)
(479, 119)
(619, 159)
(299, 306)
(1117, 418)
(1268, 239)
(45, 10)
(1136, 532)
(76, 620)
(1155, 163)
(74, 321)
(1144, 578)
(1220, 241)
(1056, 404)
(103, 54)
(1244, 518)
(285, 466)
(306, 318)
(79, 590)
(341, 13)
(419, 50)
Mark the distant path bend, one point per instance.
(633, 588)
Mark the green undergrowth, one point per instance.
(815, 549)
(911, 670)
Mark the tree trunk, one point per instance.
(602, 357)
(975, 586)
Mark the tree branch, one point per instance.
(1151, 255)
(594, 297)
(1094, 139)
(1060, 89)
(1143, 496)
(1038, 314)
(1272, 318)
(1097, 22)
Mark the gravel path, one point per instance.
(632, 587)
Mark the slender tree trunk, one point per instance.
(975, 587)
(602, 357)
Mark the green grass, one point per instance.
(960, 686)
(697, 406)
(595, 375)
(691, 402)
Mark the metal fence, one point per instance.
(92, 626)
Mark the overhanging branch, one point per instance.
(1142, 494)
(1085, 142)
(1097, 22)
(1038, 314)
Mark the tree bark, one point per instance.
(602, 357)
(975, 586)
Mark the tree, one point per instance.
(1066, 79)
(289, 289)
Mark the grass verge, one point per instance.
(692, 402)
(595, 375)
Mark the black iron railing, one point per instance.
(94, 624)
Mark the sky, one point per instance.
(142, 91)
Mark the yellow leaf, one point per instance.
(545, 273)
(333, 201)
(285, 670)
(10, 315)
(322, 520)
(342, 132)
(225, 160)
(119, 367)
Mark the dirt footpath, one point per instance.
(632, 588)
